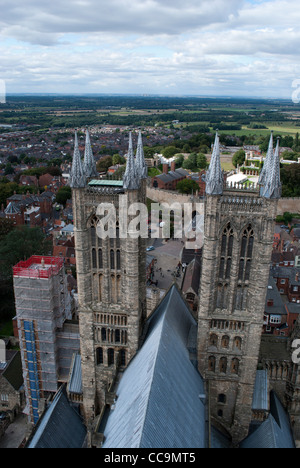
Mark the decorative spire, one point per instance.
(142, 168)
(131, 179)
(89, 165)
(214, 177)
(272, 187)
(77, 179)
(268, 161)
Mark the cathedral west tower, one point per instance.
(111, 273)
(239, 230)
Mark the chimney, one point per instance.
(165, 168)
(173, 166)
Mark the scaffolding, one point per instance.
(43, 305)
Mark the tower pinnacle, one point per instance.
(77, 179)
(267, 164)
(214, 175)
(272, 187)
(89, 165)
(140, 159)
(131, 177)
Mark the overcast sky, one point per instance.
(199, 47)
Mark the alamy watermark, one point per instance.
(296, 353)
(2, 92)
(176, 220)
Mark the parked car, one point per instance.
(149, 249)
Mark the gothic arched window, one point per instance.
(212, 364)
(100, 259)
(99, 356)
(235, 366)
(226, 253)
(112, 260)
(110, 356)
(246, 254)
(223, 365)
(213, 340)
(123, 357)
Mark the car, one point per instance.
(149, 249)
(3, 416)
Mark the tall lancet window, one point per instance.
(225, 266)
(245, 263)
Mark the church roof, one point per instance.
(158, 399)
(274, 432)
(60, 426)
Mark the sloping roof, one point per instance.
(75, 382)
(60, 427)
(12, 208)
(274, 432)
(13, 372)
(192, 276)
(158, 404)
(261, 394)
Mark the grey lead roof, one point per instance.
(60, 427)
(274, 432)
(158, 404)
(261, 394)
(75, 382)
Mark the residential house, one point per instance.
(169, 179)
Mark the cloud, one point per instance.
(31, 20)
(150, 46)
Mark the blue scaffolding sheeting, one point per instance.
(33, 375)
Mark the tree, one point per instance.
(104, 163)
(117, 159)
(179, 161)
(6, 226)
(187, 186)
(20, 244)
(170, 151)
(63, 194)
(239, 158)
(191, 163)
(290, 178)
(201, 161)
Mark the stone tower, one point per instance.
(239, 229)
(111, 272)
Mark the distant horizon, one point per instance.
(146, 95)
